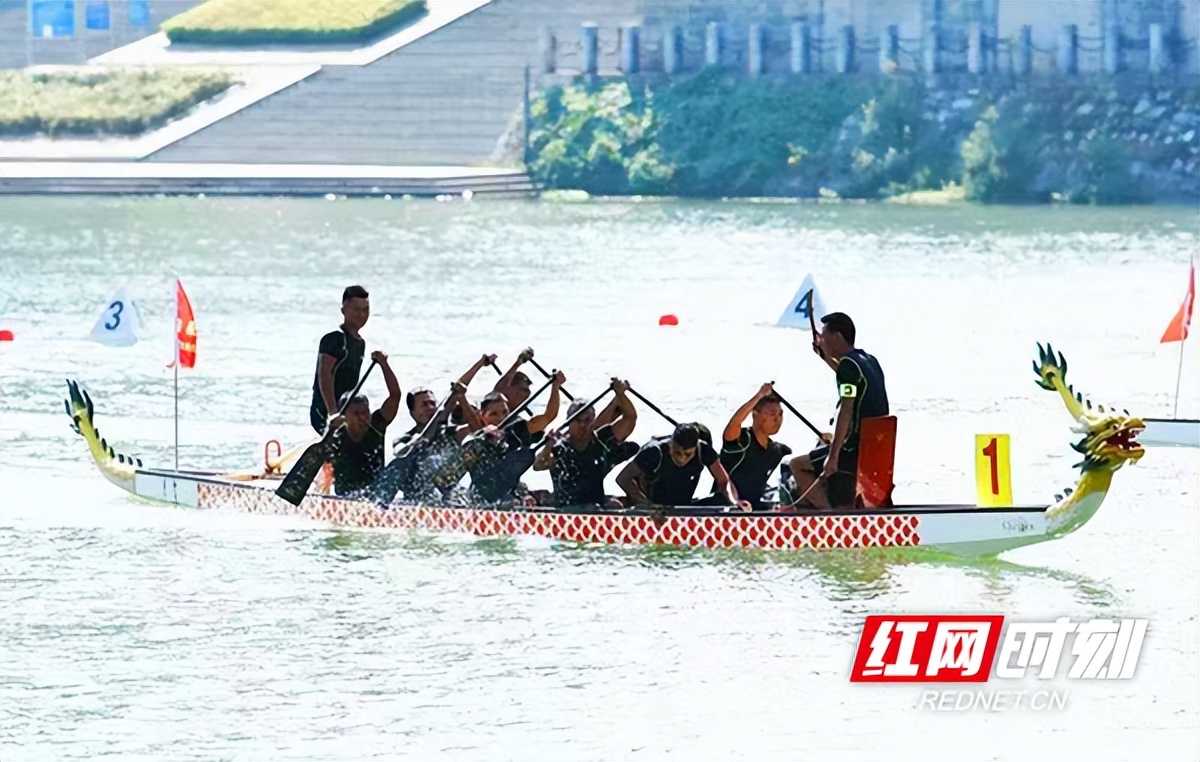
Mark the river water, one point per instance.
(145, 632)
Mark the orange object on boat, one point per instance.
(876, 461)
(272, 468)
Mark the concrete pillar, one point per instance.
(801, 48)
(990, 20)
(845, 50)
(673, 49)
(756, 52)
(889, 49)
(589, 45)
(1158, 49)
(549, 50)
(1112, 48)
(1023, 62)
(1068, 49)
(631, 49)
(931, 34)
(712, 44)
(975, 53)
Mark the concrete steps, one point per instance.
(446, 98)
(52, 178)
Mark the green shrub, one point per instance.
(89, 102)
(274, 22)
(1001, 162)
(714, 134)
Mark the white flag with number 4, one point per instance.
(119, 322)
(807, 302)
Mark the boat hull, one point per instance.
(1170, 432)
(960, 529)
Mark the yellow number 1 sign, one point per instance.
(993, 476)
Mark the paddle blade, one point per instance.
(876, 460)
(295, 485)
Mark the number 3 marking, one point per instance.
(117, 308)
(992, 455)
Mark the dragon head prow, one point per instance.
(1109, 438)
(116, 467)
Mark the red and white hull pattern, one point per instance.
(961, 529)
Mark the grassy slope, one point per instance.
(266, 22)
(94, 103)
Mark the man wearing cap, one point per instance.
(861, 394)
(593, 446)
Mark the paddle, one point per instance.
(383, 490)
(542, 370)
(295, 485)
(652, 406)
(798, 414)
(812, 324)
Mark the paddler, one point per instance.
(667, 469)
(593, 446)
(749, 454)
(422, 403)
(358, 447)
(339, 358)
(438, 465)
(492, 477)
(515, 385)
(861, 394)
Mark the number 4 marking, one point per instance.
(804, 306)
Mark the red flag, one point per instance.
(1178, 329)
(185, 328)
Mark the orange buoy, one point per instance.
(6, 335)
(668, 320)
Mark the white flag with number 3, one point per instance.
(118, 323)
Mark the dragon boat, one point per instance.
(1109, 441)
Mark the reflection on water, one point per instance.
(840, 575)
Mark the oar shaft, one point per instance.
(513, 415)
(542, 370)
(797, 413)
(652, 406)
(357, 388)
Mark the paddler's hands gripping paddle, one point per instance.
(300, 477)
